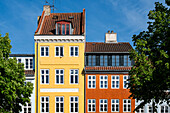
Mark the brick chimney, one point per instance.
(110, 37)
(47, 9)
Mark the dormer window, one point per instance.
(63, 28)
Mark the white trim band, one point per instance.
(59, 38)
(59, 90)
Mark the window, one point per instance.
(125, 60)
(117, 60)
(105, 60)
(44, 104)
(164, 109)
(59, 51)
(125, 77)
(113, 60)
(121, 60)
(28, 63)
(91, 105)
(59, 104)
(74, 104)
(44, 76)
(150, 109)
(101, 60)
(103, 105)
(89, 60)
(91, 81)
(19, 60)
(44, 51)
(115, 105)
(103, 81)
(93, 60)
(115, 82)
(74, 51)
(27, 108)
(129, 61)
(74, 76)
(63, 28)
(140, 110)
(126, 105)
(59, 73)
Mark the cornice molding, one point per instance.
(59, 39)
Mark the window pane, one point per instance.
(46, 51)
(63, 29)
(61, 51)
(105, 60)
(113, 60)
(101, 60)
(71, 50)
(89, 60)
(42, 51)
(67, 29)
(59, 29)
(57, 51)
(94, 60)
(117, 60)
(76, 51)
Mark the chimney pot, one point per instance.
(111, 37)
(108, 31)
(47, 9)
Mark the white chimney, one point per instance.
(111, 37)
(47, 9)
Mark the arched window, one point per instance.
(63, 28)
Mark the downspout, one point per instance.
(37, 77)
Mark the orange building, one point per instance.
(106, 73)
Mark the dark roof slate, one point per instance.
(107, 47)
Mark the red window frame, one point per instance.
(61, 29)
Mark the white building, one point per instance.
(29, 61)
(163, 108)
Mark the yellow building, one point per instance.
(59, 62)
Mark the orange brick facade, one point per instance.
(108, 93)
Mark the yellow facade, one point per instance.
(66, 62)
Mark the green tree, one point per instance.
(13, 91)
(150, 76)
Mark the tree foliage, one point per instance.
(13, 91)
(150, 76)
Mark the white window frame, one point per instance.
(45, 76)
(44, 51)
(125, 80)
(126, 104)
(29, 63)
(103, 81)
(74, 102)
(27, 107)
(91, 80)
(139, 110)
(45, 102)
(115, 104)
(164, 108)
(115, 81)
(92, 103)
(59, 51)
(59, 76)
(149, 109)
(74, 51)
(60, 102)
(74, 76)
(103, 105)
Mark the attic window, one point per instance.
(63, 28)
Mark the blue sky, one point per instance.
(125, 17)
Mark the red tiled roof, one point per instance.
(107, 47)
(78, 22)
(108, 68)
(40, 21)
(29, 72)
